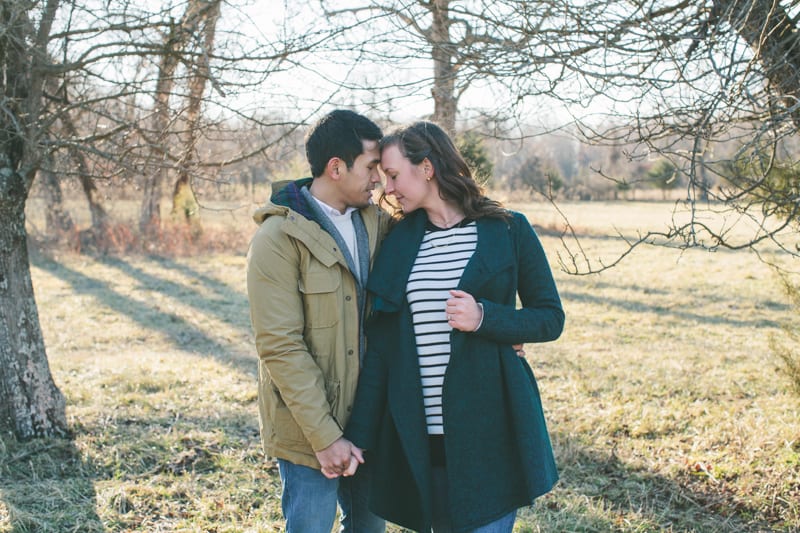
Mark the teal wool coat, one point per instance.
(498, 451)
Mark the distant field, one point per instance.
(665, 404)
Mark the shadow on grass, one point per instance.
(223, 290)
(183, 334)
(46, 486)
(639, 306)
(598, 492)
(218, 306)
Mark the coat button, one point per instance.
(349, 352)
(348, 298)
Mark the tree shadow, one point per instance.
(624, 490)
(182, 333)
(46, 485)
(218, 306)
(222, 289)
(640, 306)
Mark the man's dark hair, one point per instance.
(339, 134)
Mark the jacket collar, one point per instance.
(288, 194)
(301, 223)
(393, 265)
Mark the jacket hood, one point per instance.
(286, 196)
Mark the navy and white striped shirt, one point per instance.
(440, 262)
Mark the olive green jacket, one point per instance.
(305, 315)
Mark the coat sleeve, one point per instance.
(276, 311)
(541, 318)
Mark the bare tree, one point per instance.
(78, 82)
(712, 88)
(31, 403)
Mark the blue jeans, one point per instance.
(309, 501)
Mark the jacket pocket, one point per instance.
(285, 429)
(320, 289)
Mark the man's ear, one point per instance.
(334, 163)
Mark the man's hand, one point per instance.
(336, 459)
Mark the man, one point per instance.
(306, 277)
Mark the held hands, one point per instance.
(340, 458)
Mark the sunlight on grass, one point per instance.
(665, 404)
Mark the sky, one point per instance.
(303, 86)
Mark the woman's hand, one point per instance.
(463, 312)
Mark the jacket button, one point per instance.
(349, 352)
(349, 408)
(348, 298)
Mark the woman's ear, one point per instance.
(427, 168)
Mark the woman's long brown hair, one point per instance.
(456, 185)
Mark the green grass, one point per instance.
(665, 403)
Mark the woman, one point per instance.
(450, 415)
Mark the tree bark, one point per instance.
(772, 34)
(444, 71)
(30, 403)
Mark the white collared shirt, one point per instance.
(344, 224)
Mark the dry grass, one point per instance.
(664, 403)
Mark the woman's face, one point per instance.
(407, 182)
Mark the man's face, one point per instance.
(357, 182)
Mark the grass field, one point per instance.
(665, 404)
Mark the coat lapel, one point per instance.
(492, 255)
(395, 261)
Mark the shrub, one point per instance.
(473, 148)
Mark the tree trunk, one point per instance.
(30, 403)
(444, 71)
(58, 221)
(184, 202)
(773, 36)
(100, 221)
(150, 215)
